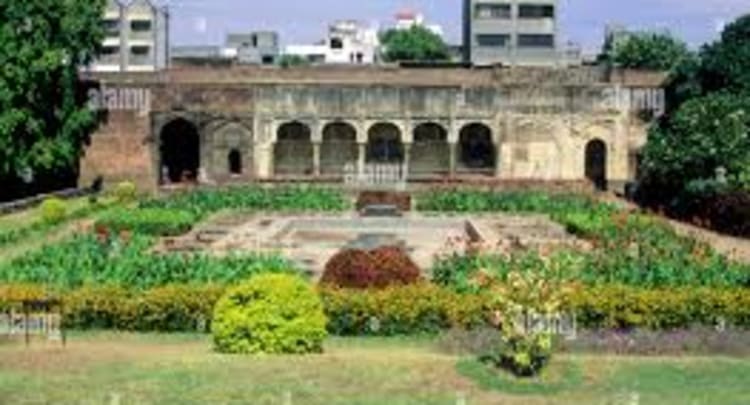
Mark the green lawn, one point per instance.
(181, 369)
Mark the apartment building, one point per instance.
(136, 39)
(511, 32)
(255, 48)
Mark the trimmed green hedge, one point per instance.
(206, 201)
(149, 221)
(401, 310)
(416, 309)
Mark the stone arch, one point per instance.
(339, 147)
(179, 151)
(596, 163)
(477, 150)
(384, 144)
(224, 140)
(430, 151)
(293, 150)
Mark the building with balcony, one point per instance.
(511, 32)
(136, 37)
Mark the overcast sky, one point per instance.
(305, 21)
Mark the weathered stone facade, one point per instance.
(260, 123)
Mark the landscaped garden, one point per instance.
(379, 329)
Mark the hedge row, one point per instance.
(150, 221)
(415, 309)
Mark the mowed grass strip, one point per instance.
(182, 369)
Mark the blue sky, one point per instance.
(303, 21)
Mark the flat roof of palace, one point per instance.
(387, 75)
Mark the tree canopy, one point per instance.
(648, 50)
(726, 63)
(708, 124)
(43, 118)
(417, 44)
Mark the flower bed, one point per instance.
(125, 260)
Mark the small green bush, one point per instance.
(125, 192)
(150, 221)
(270, 314)
(53, 210)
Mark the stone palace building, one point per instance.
(244, 124)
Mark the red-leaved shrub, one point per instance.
(378, 268)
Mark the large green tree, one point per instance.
(705, 133)
(43, 117)
(417, 44)
(648, 50)
(708, 121)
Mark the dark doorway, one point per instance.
(235, 162)
(180, 151)
(430, 152)
(339, 148)
(384, 144)
(596, 163)
(478, 153)
(293, 152)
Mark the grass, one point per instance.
(182, 369)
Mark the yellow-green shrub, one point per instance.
(270, 313)
(53, 210)
(412, 309)
(125, 192)
(616, 306)
(415, 309)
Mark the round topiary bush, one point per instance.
(53, 210)
(378, 268)
(270, 313)
(125, 192)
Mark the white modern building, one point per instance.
(136, 37)
(347, 42)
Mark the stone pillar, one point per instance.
(407, 159)
(499, 160)
(453, 149)
(316, 159)
(361, 157)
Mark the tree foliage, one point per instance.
(649, 50)
(704, 134)
(43, 116)
(726, 63)
(707, 126)
(417, 44)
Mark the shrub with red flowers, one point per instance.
(378, 268)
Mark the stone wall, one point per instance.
(540, 120)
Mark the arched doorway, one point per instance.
(477, 152)
(338, 149)
(179, 150)
(235, 162)
(293, 151)
(384, 144)
(430, 152)
(596, 163)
